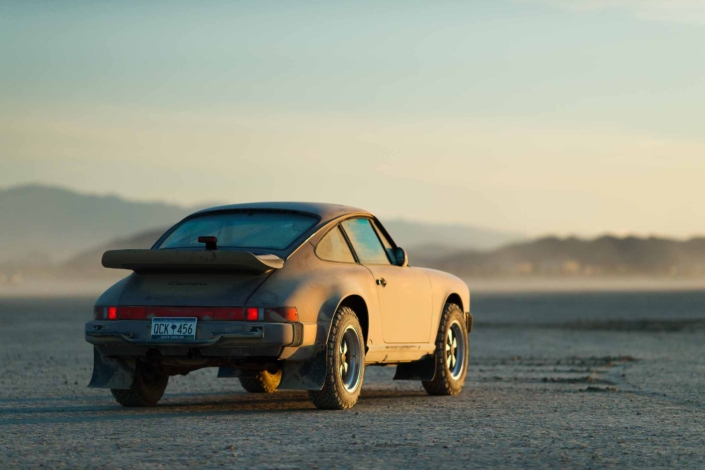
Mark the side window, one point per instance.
(333, 247)
(387, 246)
(365, 241)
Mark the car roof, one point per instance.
(324, 211)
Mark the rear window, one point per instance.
(263, 230)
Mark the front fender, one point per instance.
(445, 286)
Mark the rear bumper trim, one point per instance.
(221, 334)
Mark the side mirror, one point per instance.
(402, 258)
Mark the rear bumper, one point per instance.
(213, 338)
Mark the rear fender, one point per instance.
(310, 373)
(112, 372)
(316, 288)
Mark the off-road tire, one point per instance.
(263, 382)
(334, 395)
(147, 388)
(443, 382)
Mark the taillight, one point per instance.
(105, 313)
(281, 314)
(112, 313)
(253, 314)
(273, 314)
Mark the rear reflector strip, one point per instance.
(201, 313)
(270, 314)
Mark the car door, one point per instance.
(404, 292)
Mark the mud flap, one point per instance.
(112, 372)
(305, 375)
(425, 369)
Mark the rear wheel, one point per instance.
(147, 388)
(345, 363)
(451, 355)
(263, 382)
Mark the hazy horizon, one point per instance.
(577, 117)
(519, 237)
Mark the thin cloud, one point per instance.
(682, 11)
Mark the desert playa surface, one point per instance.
(588, 379)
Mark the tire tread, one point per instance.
(330, 397)
(139, 394)
(443, 383)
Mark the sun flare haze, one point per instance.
(577, 117)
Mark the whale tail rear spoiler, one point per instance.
(182, 260)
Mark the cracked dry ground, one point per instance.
(535, 397)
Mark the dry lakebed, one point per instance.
(613, 386)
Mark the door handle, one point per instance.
(382, 282)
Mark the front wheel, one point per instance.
(345, 363)
(451, 355)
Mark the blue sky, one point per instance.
(574, 116)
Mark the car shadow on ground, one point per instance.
(209, 405)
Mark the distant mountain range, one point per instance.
(88, 263)
(50, 224)
(48, 231)
(59, 223)
(547, 257)
(554, 257)
(444, 238)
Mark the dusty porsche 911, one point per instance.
(282, 296)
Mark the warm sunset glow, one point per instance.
(534, 116)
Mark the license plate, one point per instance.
(173, 328)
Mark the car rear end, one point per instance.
(185, 306)
(227, 332)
